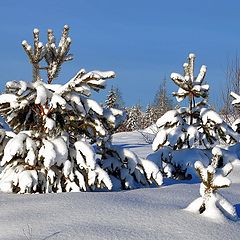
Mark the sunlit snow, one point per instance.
(147, 213)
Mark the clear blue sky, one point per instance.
(142, 41)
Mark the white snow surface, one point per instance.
(147, 213)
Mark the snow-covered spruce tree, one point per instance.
(211, 204)
(194, 126)
(111, 99)
(160, 105)
(162, 102)
(55, 126)
(113, 102)
(135, 118)
(149, 116)
(114, 99)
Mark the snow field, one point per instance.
(150, 213)
(137, 214)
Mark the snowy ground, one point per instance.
(155, 213)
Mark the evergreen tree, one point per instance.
(119, 101)
(111, 99)
(55, 126)
(211, 203)
(196, 125)
(135, 118)
(162, 102)
(149, 118)
(114, 99)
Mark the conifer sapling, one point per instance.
(54, 125)
(211, 204)
(61, 138)
(195, 126)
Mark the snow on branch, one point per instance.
(36, 54)
(131, 170)
(188, 83)
(54, 56)
(236, 101)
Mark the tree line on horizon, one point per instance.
(139, 117)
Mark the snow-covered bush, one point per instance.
(60, 135)
(135, 118)
(195, 126)
(211, 204)
(129, 170)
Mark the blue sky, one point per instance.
(143, 41)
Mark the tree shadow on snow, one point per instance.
(170, 181)
(237, 206)
(129, 146)
(51, 235)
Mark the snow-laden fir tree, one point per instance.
(60, 135)
(196, 125)
(120, 101)
(111, 99)
(149, 117)
(114, 99)
(162, 102)
(211, 203)
(160, 105)
(135, 118)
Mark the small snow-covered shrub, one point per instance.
(132, 171)
(211, 204)
(195, 126)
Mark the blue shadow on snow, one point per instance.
(237, 206)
